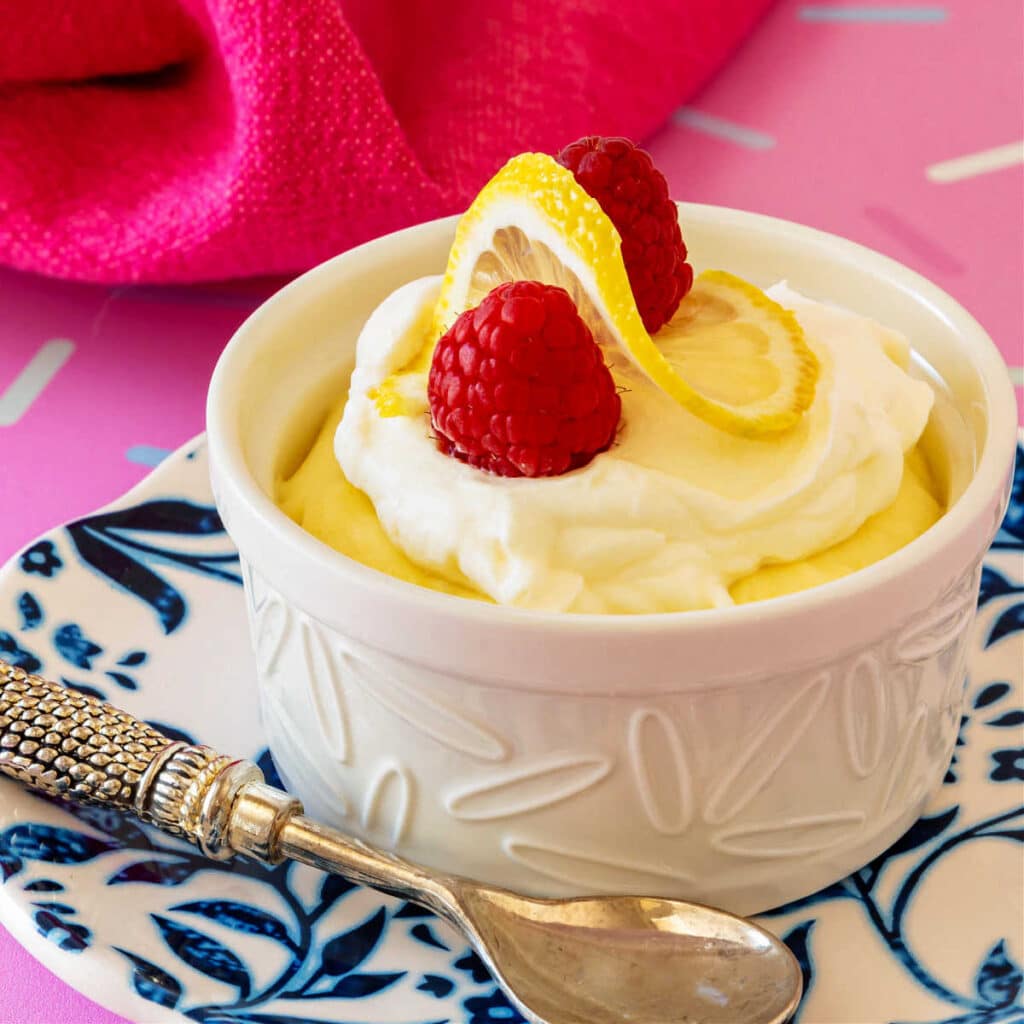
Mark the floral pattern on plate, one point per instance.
(141, 604)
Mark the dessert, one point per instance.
(514, 431)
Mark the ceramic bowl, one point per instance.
(742, 757)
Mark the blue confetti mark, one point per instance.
(723, 129)
(146, 454)
(906, 15)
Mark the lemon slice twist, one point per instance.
(730, 355)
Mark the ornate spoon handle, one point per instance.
(561, 961)
(65, 744)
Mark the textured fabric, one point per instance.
(175, 140)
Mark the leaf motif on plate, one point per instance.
(999, 980)
(661, 773)
(333, 888)
(922, 832)
(55, 908)
(436, 985)
(864, 714)
(129, 574)
(125, 681)
(767, 751)
(1009, 720)
(415, 707)
(30, 611)
(583, 869)
(52, 845)
(74, 646)
(83, 688)
(412, 910)
(10, 865)
(1009, 622)
(204, 954)
(239, 917)
(472, 965)
(422, 932)
(13, 653)
(172, 516)
(792, 837)
(990, 694)
(799, 941)
(66, 935)
(152, 982)
(326, 691)
(994, 584)
(362, 986)
(530, 786)
(44, 885)
(349, 950)
(155, 872)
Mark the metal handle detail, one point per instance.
(65, 744)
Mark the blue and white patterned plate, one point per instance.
(141, 603)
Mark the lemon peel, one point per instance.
(533, 221)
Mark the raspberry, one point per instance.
(634, 194)
(518, 386)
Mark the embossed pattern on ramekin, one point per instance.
(706, 786)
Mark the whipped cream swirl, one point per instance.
(674, 512)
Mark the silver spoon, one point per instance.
(594, 960)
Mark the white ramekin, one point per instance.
(742, 757)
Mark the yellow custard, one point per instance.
(319, 498)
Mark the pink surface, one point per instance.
(856, 112)
(271, 134)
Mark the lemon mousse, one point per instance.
(534, 445)
(677, 515)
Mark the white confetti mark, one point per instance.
(973, 164)
(32, 381)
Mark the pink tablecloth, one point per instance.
(897, 125)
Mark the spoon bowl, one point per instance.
(613, 959)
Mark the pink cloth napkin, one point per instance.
(182, 140)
